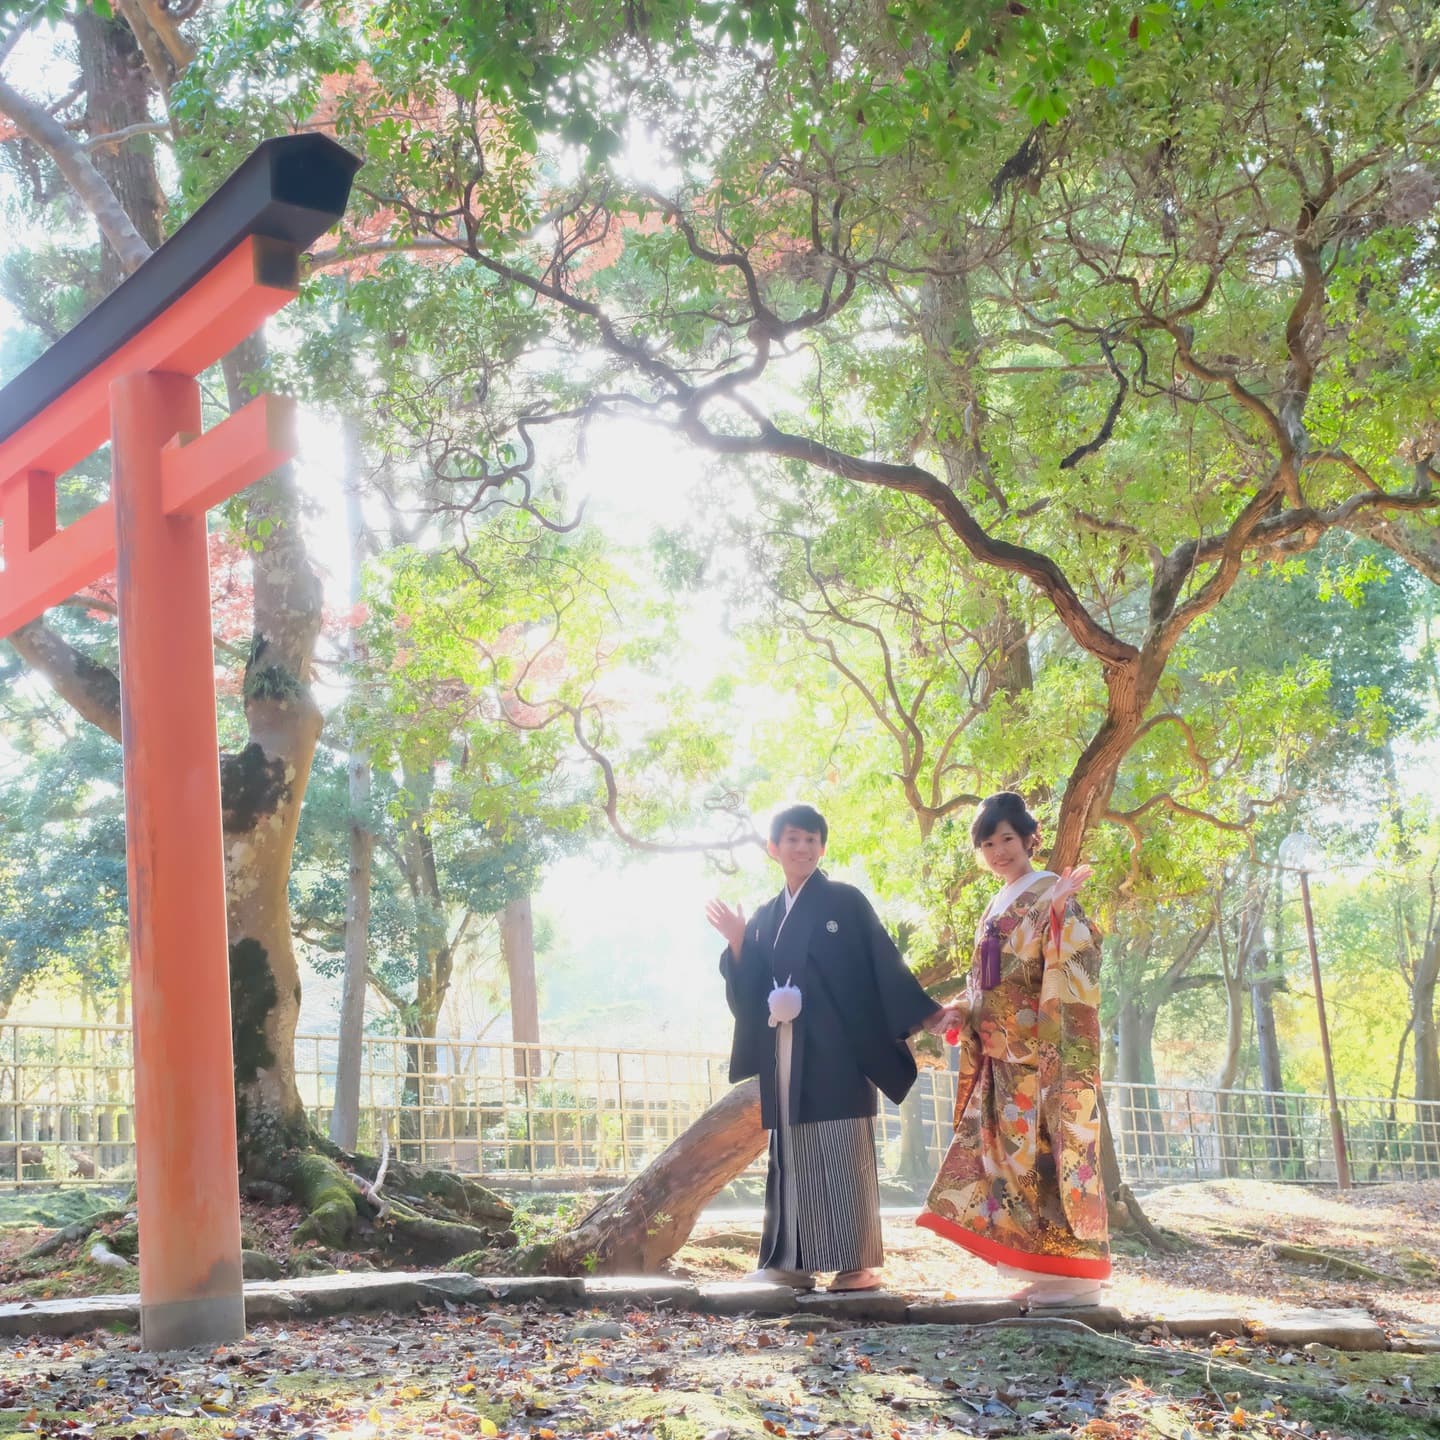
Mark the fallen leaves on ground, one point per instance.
(1393, 1228)
(455, 1373)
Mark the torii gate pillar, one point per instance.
(128, 370)
(190, 1278)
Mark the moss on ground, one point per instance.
(55, 1208)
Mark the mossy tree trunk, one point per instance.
(262, 789)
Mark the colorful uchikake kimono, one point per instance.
(1020, 1184)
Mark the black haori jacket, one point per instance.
(858, 1005)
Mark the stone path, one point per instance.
(320, 1295)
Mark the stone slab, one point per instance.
(1198, 1321)
(564, 1292)
(274, 1302)
(959, 1312)
(69, 1317)
(609, 1290)
(320, 1295)
(346, 1294)
(746, 1297)
(855, 1305)
(1345, 1329)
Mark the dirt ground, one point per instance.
(1391, 1229)
(456, 1373)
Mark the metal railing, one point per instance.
(563, 1115)
(1165, 1134)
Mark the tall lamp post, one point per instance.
(1300, 854)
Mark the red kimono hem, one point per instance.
(998, 1254)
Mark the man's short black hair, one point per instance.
(802, 817)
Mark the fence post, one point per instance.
(620, 1102)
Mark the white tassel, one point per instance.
(784, 1003)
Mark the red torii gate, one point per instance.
(126, 373)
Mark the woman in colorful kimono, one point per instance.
(1020, 1184)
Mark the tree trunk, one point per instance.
(517, 946)
(1130, 687)
(636, 1230)
(1087, 793)
(1229, 1069)
(1427, 1044)
(117, 95)
(345, 1116)
(8, 991)
(1135, 1064)
(1250, 932)
(1125, 1210)
(1427, 1050)
(1267, 1043)
(261, 790)
(916, 1166)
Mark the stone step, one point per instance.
(319, 1295)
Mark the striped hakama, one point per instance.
(822, 1198)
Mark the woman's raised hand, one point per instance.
(730, 923)
(1070, 881)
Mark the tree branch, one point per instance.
(1107, 427)
(744, 835)
(343, 254)
(1038, 568)
(119, 137)
(69, 156)
(18, 33)
(391, 996)
(167, 27)
(90, 689)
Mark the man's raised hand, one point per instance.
(730, 923)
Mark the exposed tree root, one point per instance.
(80, 1230)
(427, 1239)
(364, 1201)
(1305, 1255)
(329, 1196)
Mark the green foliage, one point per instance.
(62, 856)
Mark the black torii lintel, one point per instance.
(291, 189)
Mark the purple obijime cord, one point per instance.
(990, 948)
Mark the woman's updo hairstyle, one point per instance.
(1005, 808)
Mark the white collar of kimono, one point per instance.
(1015, 889)
(789, 903)
(791, 899)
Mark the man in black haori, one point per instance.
(823, 1006)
